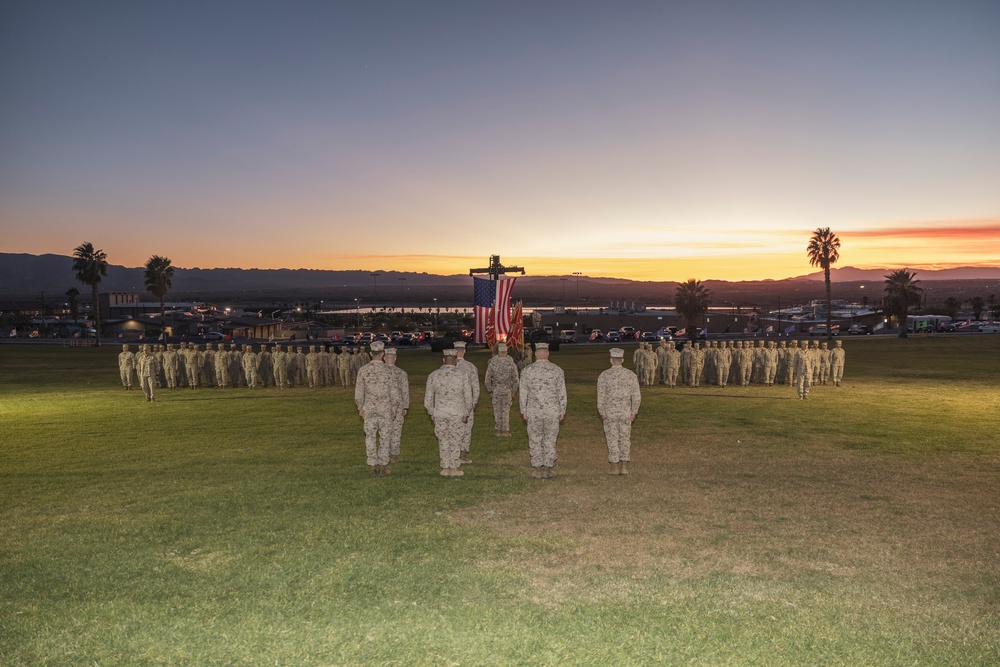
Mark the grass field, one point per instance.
(861, 527)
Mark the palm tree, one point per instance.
(692, 300)
(951, 307)
(824, 250)
(901, 292)
(159, 277)
(90, 266)
(977, 305)
(74, 308)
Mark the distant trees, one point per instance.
(72, 294)
(692, 300)
(158, 278)
(951, 307)
(977, 305)
(824, 251)
(90, 265)
(901, 292)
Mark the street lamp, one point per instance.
(577, 274)
(357, 310)
(437, 310)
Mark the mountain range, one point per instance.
(26, 276)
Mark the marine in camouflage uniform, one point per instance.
(472, 373)
(618, 399)
(249, 362)
(723, 360)
(697, 364)
(280, 361)
(672, 361)
(448, 401)
(824, 363)
(396, 424)
(770, 363)
(501, 384)
(298, 376)
(377, 396)
(525, 359)
(542, 401)
(148, 369)
(126, 365)
(837, 358)
(661, 362)
(170, 362)
(344, 367)
(803, 371)
(194, 363)
(652, 363)
(312, 368)
(221, 365)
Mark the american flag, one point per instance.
(491, 305)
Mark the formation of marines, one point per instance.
(195, 366)
(452, 393)
(741, 363)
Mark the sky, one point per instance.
(645, 140)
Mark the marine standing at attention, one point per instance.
(126, 364)
(378, 399)
(618, 399)
(501, 384)
(543, 406)
(403, 382)
(472, 373)
(448, 401)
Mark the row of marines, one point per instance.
(740, 364)
(190, 366)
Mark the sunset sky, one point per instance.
(647, 140)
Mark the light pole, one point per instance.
(577, 274)
(437, 309)
(357, 311)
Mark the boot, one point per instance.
(394, 458)
(623, 468)
(463, 459)
(384, 470)
(538, 473)
(548, 472)
(446, 472)
(613, 469)
(455, 472)
(375, 471)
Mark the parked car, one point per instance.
(859, 330)
(567, 335)
(212, 336)
(613, 337)
(395, 335)
(628, 332)
(366, 338)
(820, 330)
(596, 334)
(990, 327)
(650, 337)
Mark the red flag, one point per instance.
(515, 338)
(505, 286)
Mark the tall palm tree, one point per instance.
(692, 300)
(90, 265)
(159, 277)
(824, 250)
(74, 308)
(901, 292)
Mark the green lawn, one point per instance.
(230, 527)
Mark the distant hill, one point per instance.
(50, 276)
(849, 274)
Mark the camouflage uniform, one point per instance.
(396, 424)
(661, 362)
(618, 399)
(542, 401)
(651, 364)
(803, 371)
(170, 362)
(378, 399)
(697, 365)
(298, 376)
(501, 383)
(280, 361)
(824, 363)
(194, 363)
(148, 368)
(344, 367)
(312, 368)
(837, 358)
(672, 361)
(208, 366)
(723, 360)
(472, 373)
(221, 367)
(126, 364)
(249, 361)
(448, 401)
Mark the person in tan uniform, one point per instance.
(396, 425)
(472, 372)
(837, 358)
(542, 400)
(501, 383)
(126, 366)
(448, 401)
(377, 396)
(618, 399)
(148, 370)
